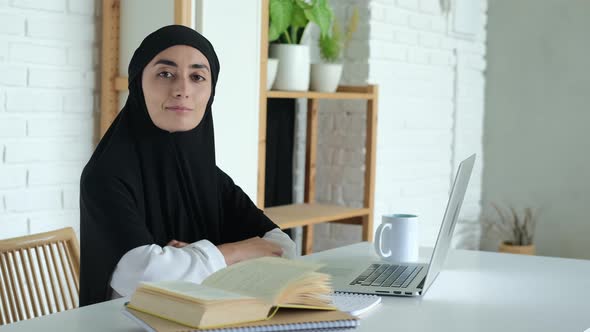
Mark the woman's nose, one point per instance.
(181, 89)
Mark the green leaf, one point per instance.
(321, 14)
(281, 14)
(329, 49)
(331, 46)
(304, 4)
(299, 19)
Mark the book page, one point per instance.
(263, 278)
(191, 291)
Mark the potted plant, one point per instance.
(288, 19)
(516, 231)
(325, 75)
(271, 72)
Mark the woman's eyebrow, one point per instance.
(166, 62)
(200, 66)
(173, 64)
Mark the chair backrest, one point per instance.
(39, 275)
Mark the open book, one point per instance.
(244, 292)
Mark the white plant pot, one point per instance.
(325, 76)
(271, 72)
(293, 69)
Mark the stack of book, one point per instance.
(265, 294)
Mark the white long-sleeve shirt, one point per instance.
(193, 262)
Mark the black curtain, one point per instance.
(280, 125)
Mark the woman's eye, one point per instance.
(197, 78)
(165, 74)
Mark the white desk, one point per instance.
(476, 291)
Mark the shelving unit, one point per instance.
(311, 213)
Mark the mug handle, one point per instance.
(379, 240)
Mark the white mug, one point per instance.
(396, 239)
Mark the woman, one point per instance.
(153, 203)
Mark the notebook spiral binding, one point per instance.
(321, 326)
(354, 303)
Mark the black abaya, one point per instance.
(144, 185)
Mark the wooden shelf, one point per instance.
(295, 215)
(121, 83)
(343, 92)
(309, 214)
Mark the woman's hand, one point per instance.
(247, 249)
(177, 244)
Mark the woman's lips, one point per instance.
(178, 109)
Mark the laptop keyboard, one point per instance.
(386, 275)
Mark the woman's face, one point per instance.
(176, 87)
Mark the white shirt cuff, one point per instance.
(214, 256)
(283, 240)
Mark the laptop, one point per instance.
(405, 279)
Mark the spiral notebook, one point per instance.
(283, 320)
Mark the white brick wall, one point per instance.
(72, 28)
(47, 221)
(48, 60)
(31, 53)
(13, 225)
(83, 7)
(13, 75)
(31, 200)
(13, 177)
(33, 100)
(11, 25)
(431, 87)
(35, 151)
(13, 127)
(2, 97)
(50, 5)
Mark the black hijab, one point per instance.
(144, 185)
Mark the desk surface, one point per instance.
(476, 291)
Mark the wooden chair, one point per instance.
(39, 275)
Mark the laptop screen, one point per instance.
(447, 227)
